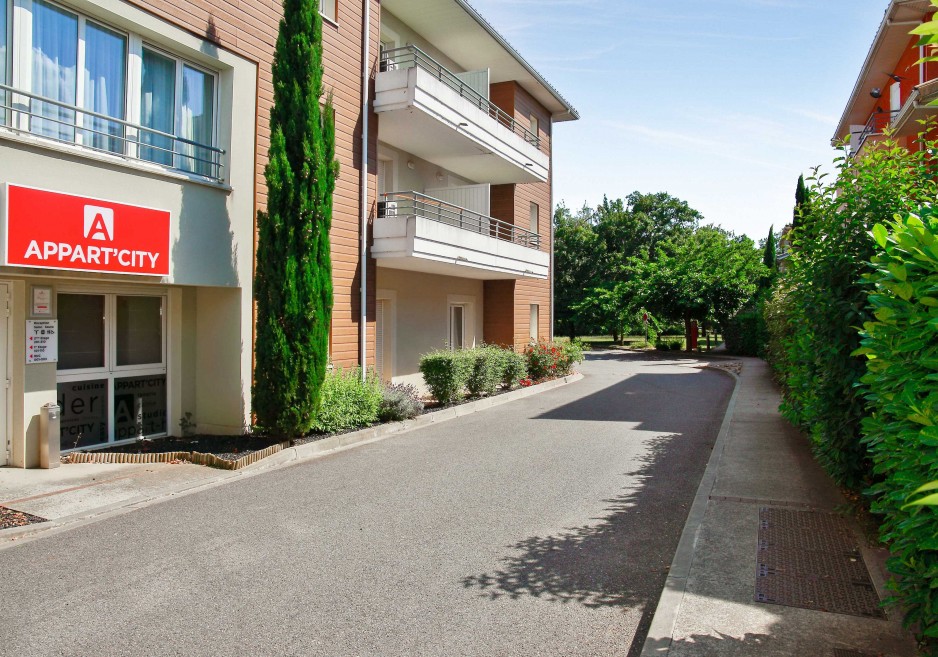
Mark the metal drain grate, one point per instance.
(846, 652)
(810, 560)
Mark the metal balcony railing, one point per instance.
(412, 56)
(875, 126)
(29, 113)
(421, 205)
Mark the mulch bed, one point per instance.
(12, 518)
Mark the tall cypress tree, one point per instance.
(769, 253)
(801, 196)
(293, 281)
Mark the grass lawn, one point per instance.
(638, 341)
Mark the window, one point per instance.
(327, 9)
(112, 368)
(457, 327)
(534, 130)
(176, 99)
(535, 219)
(533, 324)
(80, 89)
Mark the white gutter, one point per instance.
(363, 268)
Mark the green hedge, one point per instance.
(745, 334)
(825, 298)
(348, 402)
(901, 433)
(451, 374)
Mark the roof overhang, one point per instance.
(891, 40)
(473, 43)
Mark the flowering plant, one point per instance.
(552, 359)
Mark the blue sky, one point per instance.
(720, 102)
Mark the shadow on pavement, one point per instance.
(622, 559)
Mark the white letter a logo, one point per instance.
(99, 223)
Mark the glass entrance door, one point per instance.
(112, 368)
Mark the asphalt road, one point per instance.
(540, 527)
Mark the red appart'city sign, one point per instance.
(60, 231)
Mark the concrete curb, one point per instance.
(661, 631)
(285, 458)
(345, 441)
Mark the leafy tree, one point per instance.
(712, 273)
(578, 260)
(293, 283)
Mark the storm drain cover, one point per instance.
(846, 652)
(810, 560)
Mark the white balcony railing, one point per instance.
(31, 114)
(413, 57)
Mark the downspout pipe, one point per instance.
(363, 232)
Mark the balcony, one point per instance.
(875, 127)
(429, 111)
(417, 232)
(44, 119)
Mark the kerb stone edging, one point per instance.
(344, 441)
(284, 458)
(661, 631)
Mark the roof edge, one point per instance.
(569, 113)
(842, 128)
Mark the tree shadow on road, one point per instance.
(620, 560)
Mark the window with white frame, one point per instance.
(72, 79)
(534, 225)
(327, 9)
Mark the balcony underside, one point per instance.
(419, 244)
(423, 116)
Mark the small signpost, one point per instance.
(645, 319)
(42, 340)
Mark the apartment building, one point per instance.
(133, 139)
(893, 90)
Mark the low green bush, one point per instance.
(487, 370)
(446, 373)
(901, 431)
(676, 345)
(513, 367)
(347, 401)
(400, 401)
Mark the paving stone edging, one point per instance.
(661, 631)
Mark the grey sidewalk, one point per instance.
(708, 607)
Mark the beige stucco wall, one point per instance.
(209, 289)
(420, 316)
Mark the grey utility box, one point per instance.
(49, 439)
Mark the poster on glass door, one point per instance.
(139, 406)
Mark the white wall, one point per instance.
(422, 315)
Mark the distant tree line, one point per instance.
(648, 260)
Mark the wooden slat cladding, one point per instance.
(498, 315)
(249, 29)
(512, 203)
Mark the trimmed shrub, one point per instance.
(486, 371)
(676, 345)
(901, 432)
(513, 367)
(745, 334)
(348, 402)
(446, 373)
(400, 401)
